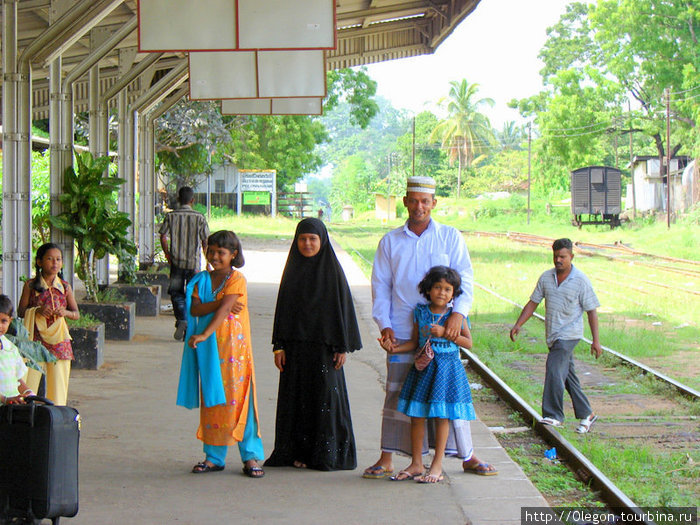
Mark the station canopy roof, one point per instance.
(367, 31)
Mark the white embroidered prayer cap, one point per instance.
(421, 185)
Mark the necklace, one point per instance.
(221, 286)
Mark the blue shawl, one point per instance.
(202, 362)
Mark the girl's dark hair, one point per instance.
(36, 283)
(227, 239)
(438, 273)
(6, 306)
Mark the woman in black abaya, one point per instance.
(315, 327)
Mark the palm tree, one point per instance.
(511, 136)
(466, 132)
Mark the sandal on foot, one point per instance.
(404, 476)
(299, 464)
(203, 468)
(253, 472)
(481, 469)
(550, 421)
(430, 478)
(377, 472)
(585, 424)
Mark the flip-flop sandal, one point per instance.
(377, 472)
(550, 421)
(586, 424)
(482, 469)
(404, 476)
(430, 479)
(203, 468)
(252, 472)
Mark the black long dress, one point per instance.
(314, 319)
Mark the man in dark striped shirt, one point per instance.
(188, 231)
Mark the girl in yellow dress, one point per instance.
(218, 354)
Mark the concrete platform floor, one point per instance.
(137, 448)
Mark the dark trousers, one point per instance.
(179, 277)
(560, 374)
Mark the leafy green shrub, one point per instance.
(84, 321)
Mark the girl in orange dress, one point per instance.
(218, 354)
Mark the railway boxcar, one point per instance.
(596, 191)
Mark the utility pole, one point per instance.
(529, 163)
(668, 158)
(634, 191)
(413, 158)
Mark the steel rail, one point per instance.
(538, 240)
(683, 389)
(578, 463)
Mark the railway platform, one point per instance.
(137, 448)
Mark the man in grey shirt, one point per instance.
(567, 293)
(188, 232)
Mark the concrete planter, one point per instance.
(152, 278)
(119, 318)
(88, 346)
(146, 297)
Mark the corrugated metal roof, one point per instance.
(368, 31)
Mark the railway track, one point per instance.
(684, 267)
(577, 462)
(680, 387)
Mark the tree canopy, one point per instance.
(601, 59)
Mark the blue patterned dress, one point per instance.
(441, 390)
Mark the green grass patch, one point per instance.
(84, 321)
(651, 478)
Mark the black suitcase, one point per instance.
(39, 460)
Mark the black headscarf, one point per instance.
(314, 302)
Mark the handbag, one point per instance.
(426, 353)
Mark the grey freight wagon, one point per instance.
(596, 191)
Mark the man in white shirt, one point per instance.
(403, 257)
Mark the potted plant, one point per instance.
(115, 311)
(91, 217)
(88, 334)
(146, 296)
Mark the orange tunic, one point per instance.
(224, 425)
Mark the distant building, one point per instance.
(382, 210)
(650, 185)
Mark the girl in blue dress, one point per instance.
(441, 390)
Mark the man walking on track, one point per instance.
(403, 257)
(567, 293)
(188, 231)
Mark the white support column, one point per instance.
(147, 180)
(59, 153)
(14, 264)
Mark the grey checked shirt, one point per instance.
(564, 303)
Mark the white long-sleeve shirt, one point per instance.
(402, 260)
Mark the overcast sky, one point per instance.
(496, 46)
